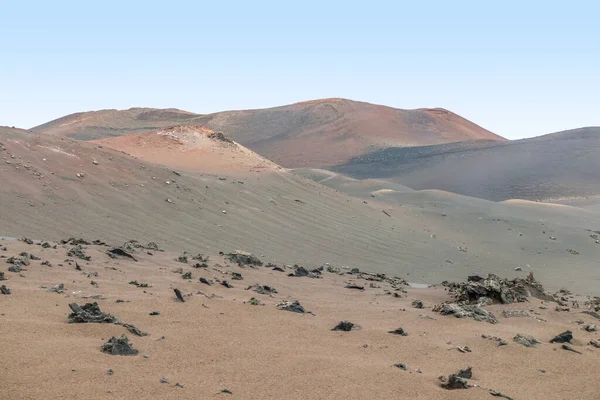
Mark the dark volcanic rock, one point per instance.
(565, 337)
(119, 346)
(345, 326)
(398, 331)
(2, 277)
(90, 312)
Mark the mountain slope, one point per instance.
(560, 165)
(314, 133)
(52, 189)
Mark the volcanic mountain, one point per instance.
(315, 133)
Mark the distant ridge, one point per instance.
(314, 133)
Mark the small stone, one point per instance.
(164, 380)
(590, 328)
(401, 366)
(109, 372)
(95, 162)
(155, 313)
(226, 391)
(4, 290)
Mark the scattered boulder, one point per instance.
(303, 272)
(292, 306)
(526, 340)
(138, 284)
(133, 329)
(353, 286)
(236, 276)
(417, 304)
(60, 288)
(590, 328)
(187, 275)
(79, 252)
(499, 290)
(500, 341)
(26, 240)
(119, 252)
(516, 314)
(243, 258)
(227, 284)
(398, 331)
(345, 326)
(262, 289)
(179, 295)
(119, 346)
(569, 348)
(565, 337)
(466, 311)
(455, 382)
(4, 289)
(74, 242)
(254, 301)
(90, 312)
(205, 281)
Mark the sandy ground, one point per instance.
(210, 344)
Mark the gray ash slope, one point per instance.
(555, 166)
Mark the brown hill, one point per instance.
(190, 148)
(314, 133)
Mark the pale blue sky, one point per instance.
(518, 68)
